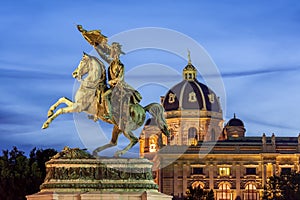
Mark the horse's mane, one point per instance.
(102, 66)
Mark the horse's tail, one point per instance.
(157, 111)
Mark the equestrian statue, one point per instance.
(111, 99)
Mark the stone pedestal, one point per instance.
(88, 179)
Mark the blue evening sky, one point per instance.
(254, 44)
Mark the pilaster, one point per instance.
(238, 179)
(211, 176)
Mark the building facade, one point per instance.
(202, 152)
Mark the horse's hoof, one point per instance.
(118, 154)
(95, 154)
(45, 125)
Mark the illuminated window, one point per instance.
(152, 145)
(224, 192)
(152, 148)
(192, 97)
(250, 192)
(224, 171)
(250, 186)
(192, 136)
(269, 170)
(171, 98)
(198, 184)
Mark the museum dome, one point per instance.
(191, 94)
(235, 122)
(234, 128)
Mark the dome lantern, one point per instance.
(234, 128)
(189, 72)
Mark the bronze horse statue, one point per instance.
(112, 104)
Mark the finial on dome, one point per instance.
(234, 116)
(189, 57)
(189, 72)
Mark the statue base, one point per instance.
(99, 196)
(88, 178)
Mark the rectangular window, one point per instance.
(286, 170)
(224, 171)
(152, 148)
(251, 171)
(197, 170)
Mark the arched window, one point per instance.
(171, 98)
(250, 192)
(153, 144)
(224, 192)
(197, 184)
(196, 190)
(192, 136)
(192, 97)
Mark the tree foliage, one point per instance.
(197, 193)
(19, 175)
(283, 187)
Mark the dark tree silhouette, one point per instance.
(19, 175)
(210, 195)
(283, 187)
(197, 193)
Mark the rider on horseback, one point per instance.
(119, 101)
(125, 94)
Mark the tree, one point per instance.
(210, 195)
(19, 175)
(197, 193)
(283, 187)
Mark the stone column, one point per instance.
(274, 169)
(238, 179)
(211, 176)
(263, 173)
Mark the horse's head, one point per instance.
(83, 67)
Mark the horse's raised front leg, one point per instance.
(64, 100)
(72, 108)
(133, 141)
(113, 142)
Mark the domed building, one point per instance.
(204, 152)
(193, 111)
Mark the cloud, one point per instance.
(13, 116)
(260, 71)
(233, 74)
(30, 74)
